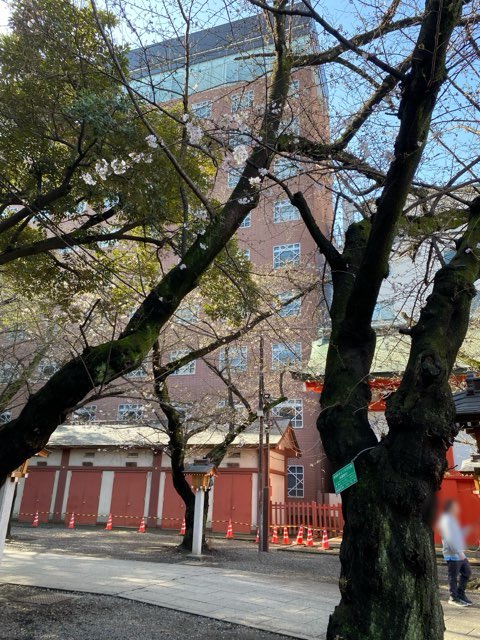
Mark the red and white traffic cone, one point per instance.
(109, 525)
(286, 539)
(257, 537)
(35, 520)
(325, 542)
(275, 535)
(300, 535)
(309, 537)
(71, 522)
(142, 528)
(183, 528)
(229, 534)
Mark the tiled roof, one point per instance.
(93, 434)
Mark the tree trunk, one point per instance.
(388, 578)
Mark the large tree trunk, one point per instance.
(388, 578)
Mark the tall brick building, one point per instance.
(228, 80)
(228, 77)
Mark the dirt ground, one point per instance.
(28, 613)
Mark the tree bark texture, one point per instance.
(388, 578)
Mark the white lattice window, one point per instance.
(233, 176)
(285, 211)
(290, 309)
(140, 372)
(86, 414)
(7, 371)
(187, 315)
(286, 255)
(294, 89)
(234, 357)
(47, 368)
(285, 168)
(242, 101)
(296, 481)
(286, 354)
(247, 253)
(5, 416)
(291, 126)
(187, 369)
(236, 138)
(202, 109)
(290, 410)
(247, 221)
(129, 412)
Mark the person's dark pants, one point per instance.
(459, 573)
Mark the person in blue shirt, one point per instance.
(453, 539)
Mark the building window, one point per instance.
(291, 126)
(247, 221)
(187, 369)
(184, 409)
(233, 177)
(7, 371)
(285, 211)
(129, 412)
(5, 417)
(290, 410)
(47, 368)
(86, 414)
(383, 314)
(202, 109)
(296, 481)
(294, 89)
(186, 316)
(286, 255)
(242, 101)
(286, 354)
(137, 373)
(246, 253)
(234, 357)
(236, 138)
(290, 309)
(285, 168)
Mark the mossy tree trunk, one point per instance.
(388, 570)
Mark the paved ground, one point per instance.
(270, 603)
(161, 546)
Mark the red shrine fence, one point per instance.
(308, 514)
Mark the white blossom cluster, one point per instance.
(240, 154)
(103, 169)
(194, 133)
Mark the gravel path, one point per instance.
(159, 546)
(28, 613)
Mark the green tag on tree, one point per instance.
(344, 478)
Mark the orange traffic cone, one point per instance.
(309, 537)
(275, 535)
(325, 542)
(142, 528)
(109, 525)
(183, 528)
(229, 530)
(286, 539)
(71, 523)
(35, 520)
(300, 535)
(257, 538)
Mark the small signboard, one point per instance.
(344, 477)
